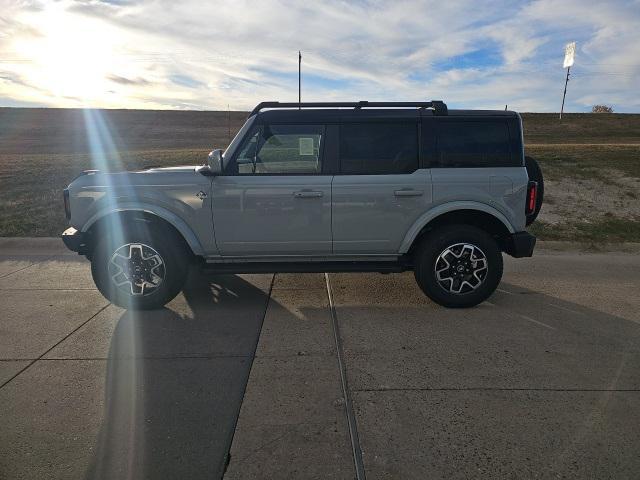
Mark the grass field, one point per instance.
(591, 163)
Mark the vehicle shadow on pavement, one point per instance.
(175, 381)
(524, 385)
(518, 339)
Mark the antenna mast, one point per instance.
(299, 79)
(228, 124)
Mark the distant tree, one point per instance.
(601, 109)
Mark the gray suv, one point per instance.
(320, 187)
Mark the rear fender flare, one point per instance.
(435, 212)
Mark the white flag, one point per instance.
(569, 54)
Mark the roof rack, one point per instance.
(439, 107)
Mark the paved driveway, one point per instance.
(90, 390)
(541, 381)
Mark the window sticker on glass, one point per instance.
(305, 145)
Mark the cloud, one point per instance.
(128, 81)
(195, 54)
(13, 78)
(10, 28)
(18, 80)
(186, 81)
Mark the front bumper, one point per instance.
(520, 244)
(74, 240)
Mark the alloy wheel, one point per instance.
(461, 268)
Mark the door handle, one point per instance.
(408, 192)
(307, 194)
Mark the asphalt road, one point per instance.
(540, 382)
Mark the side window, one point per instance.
(378, 148)
(473, 144)
(280, 149)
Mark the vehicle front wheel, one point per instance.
(458, 266)
(141, 268)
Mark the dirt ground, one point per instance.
(584, 198)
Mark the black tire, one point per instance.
(173, 266)
(436, 243)
(535, 173)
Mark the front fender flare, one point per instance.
(435, 212)
(170, 217)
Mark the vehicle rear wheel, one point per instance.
(458, 266)
(142, 268)
(535, 173)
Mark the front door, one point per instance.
(273, 198)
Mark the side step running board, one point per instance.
(306, 267)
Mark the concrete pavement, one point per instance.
(527, 385)
(292, 423)
(92, 391)
(539, 382)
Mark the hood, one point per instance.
(150, 169)
(148, 176)
(184, 168)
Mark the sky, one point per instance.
(218, 55)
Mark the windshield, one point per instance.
(239, 136)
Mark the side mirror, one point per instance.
(215, 162)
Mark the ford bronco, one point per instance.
(320, 187)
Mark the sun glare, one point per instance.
(72, 57)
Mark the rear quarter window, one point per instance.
(474, 143)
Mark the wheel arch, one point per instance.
(119, 217)
(480, 215)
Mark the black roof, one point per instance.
(335, 111)
(484, 113)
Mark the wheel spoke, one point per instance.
(137, 288)
(467, 251)
(120, 260)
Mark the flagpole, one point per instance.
(565, 91)
(569, 57)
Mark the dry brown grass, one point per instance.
(42, 150)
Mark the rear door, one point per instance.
(380, 189)
(275, 198)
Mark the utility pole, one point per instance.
(299, 79)
(566, 80)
